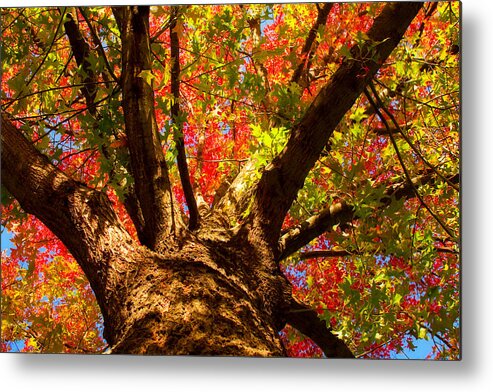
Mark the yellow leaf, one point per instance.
(32, 343)
(147, 75)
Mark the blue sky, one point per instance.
(5, 239)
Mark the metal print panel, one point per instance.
(259, 180)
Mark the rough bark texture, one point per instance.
(185, 304)
(82, 218)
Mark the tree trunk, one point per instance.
(199, 300)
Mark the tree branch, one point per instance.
(80, 49)
(306, 320)
(284, 177)
(202, 206)
(132, 206)
(232, 196)
(343, 253)
(147, 161)
(99, 45)
(341, 214)
(177, 122)
(82, 218)
(311, 45)
(300, 235)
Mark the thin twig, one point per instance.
(44, 58)
(52, 89)
(99, 45)
(410, 143)
(311, 45)
(417, 100)
(399, 157)
(217, 160)
(381, 345)
(178, 124)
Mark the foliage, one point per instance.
(393, 274)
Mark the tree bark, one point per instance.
(184, 304)
(81, 217)
(80, 49)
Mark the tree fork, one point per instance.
(200, 299)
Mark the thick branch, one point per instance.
(299, 236)
(313, 254)
(178, 128)
(81, 50)
(132, 206)
(405, 189)
(306, 320)
(284, 177)
(232, 196)
(82, 218)
(148, 165)
(340, 214)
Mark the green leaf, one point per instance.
(397, 299)
(147, 75)
(6, 197)
(345, 52)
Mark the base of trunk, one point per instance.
(187, 308)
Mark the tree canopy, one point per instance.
(330, 131)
